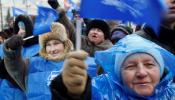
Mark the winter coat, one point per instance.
(40, 73)
(92, 48)
(9, 90)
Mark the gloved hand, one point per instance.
(74, 74)
(14, 42)
(53, 3)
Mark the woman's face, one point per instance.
(140, 72)
(96, 35)
(54, 48)
(169, 18)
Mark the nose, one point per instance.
(172, 1)
(141, 71)
(95, 30)
(52, 48)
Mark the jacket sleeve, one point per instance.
(59, 91)
(5, 75)
(63, 19)
(15, 66)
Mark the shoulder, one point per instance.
(104, 89)
(100, 82)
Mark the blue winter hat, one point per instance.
(121, 57)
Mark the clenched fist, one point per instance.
(14, 42)
(74, 74)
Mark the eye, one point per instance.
(150, 64)
(99, 30)
(56, 43)
(47, 44)
(129, 67)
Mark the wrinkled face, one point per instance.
(140, 72)
(169, 19)
(96, 35)
(54, 48)
(21, 32)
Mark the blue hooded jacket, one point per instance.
(109, 86)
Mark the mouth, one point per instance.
(94, 36)
(172, 9)
(55, 54)
(141, 83)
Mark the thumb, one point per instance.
(80, 54)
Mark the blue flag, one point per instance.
(138, 11)
(17, 11)
(44, 20)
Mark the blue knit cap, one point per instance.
(121, 57)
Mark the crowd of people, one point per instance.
(115, 62)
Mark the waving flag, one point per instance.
(18, 11)
(44, 20)
(138, 11)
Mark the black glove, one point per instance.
(15, 42)
(53, 3)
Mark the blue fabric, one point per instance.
(1, 51)
(42, 71)
(138, 11)
(18, 11)
(110, 87)
(44, 20)
(30, 51)
(92, 67)
(9, 92)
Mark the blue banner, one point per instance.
(44, 20)
(138, 11)
(18, 11)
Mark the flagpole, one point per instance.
(13, 3)
(78, 34)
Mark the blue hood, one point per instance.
(132, 44)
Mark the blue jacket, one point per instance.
(42, 72)
(7, 90)
(109, 86)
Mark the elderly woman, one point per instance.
(34, 75)
(135, 69)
